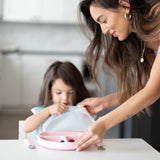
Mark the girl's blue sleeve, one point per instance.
(35, 110)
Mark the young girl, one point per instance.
(62, 86)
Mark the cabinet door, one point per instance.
(51, 11)
(1, 9)
(33, 70)
(11, 79)
(70, 12)
(19, 10)
(61, 11)
(0, 79)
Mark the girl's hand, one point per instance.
(93, 105)
(93, 135)
(57, 108)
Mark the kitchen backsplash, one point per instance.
(42, 37)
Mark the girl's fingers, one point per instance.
(57, 109)
(65, 107)
(62, 108)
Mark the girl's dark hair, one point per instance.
(122, 57)
(70, 75)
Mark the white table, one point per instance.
(115, 149)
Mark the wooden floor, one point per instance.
(9, 125)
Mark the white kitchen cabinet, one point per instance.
(21, 77)
(51, 11)
(33, 70)
(10, 79)
(0, 79)
(1, 8)
(19, 10)
(71, 12)
(61, 11)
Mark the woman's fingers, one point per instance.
(93, 105)
(84, 145)
(93, 135)
(82, 141)
(86, 140)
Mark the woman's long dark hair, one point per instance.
(123, 57)
(70, 75)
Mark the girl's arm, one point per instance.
(32, 122)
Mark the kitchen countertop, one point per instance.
(115, 149)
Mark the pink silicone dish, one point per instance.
(59, 140)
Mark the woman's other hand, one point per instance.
(93, 135)
(58, 108)
(97, 104)
(93, 105)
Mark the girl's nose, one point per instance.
(65, 96)
(64, 99)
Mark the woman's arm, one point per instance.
(145, 97)
(111, 100)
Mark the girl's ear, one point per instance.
(124, 3)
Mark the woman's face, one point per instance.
(62, 93)
(111, 22)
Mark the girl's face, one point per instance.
(62, 93)
(111, 22)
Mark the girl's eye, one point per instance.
(58, 92)
(70, 92)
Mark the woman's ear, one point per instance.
(124, 3)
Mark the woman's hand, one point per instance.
(93, 105)
(57, 108)
(93, 135)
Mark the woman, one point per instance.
(126, 36)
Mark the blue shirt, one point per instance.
(67, 121)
